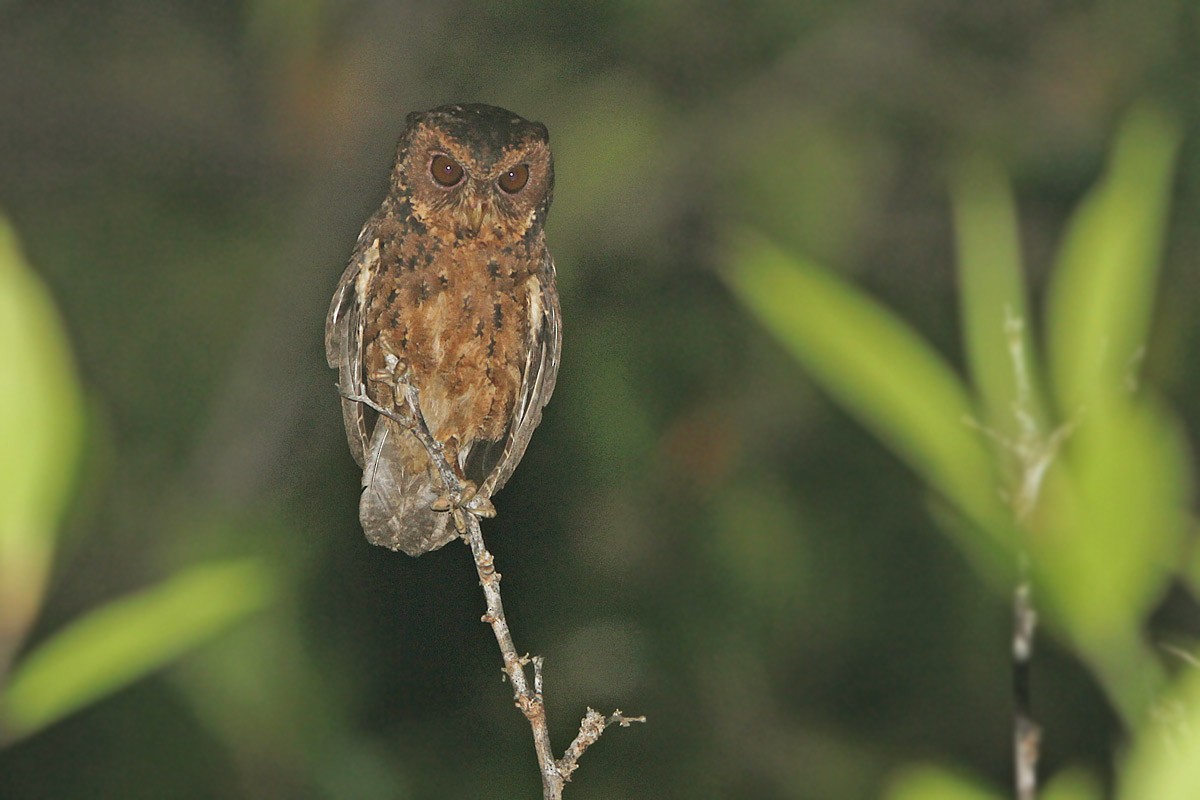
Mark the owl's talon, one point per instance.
(394, 373)
(478, 504)
(466, 501)
(481, 506)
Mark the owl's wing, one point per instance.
(538, 377)
(398, 485)
(344, 339)
(399, 489)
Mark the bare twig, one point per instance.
(1185, 656)
(1034, 456)
(1033, 451)
(1034, 459)
(1027, 735)
(529, 701)
(590, 729)
(555, 773)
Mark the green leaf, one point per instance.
(877, 368)
(935, 783)
(129, 638)
(924, 782)
(40, 424)
(1118, 534)
(1073, 784)
(992, 295)
(1108, 538)
(1109, 533)
(1165, 764)
(1103, 289)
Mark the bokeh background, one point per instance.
(697, 533)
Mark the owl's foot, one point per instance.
(466, 501)
(395, 372)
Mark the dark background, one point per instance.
(695, 534)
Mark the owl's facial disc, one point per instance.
(475, 172)
(465, 204)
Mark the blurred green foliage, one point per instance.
(696, 533)
(932, 783)
(126, 638)
(1099, 492)
(878, 367)
(40, 422)
(1166, 762)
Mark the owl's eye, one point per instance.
(515, 179)
(446, 170)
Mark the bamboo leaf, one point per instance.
(1103, 290)
(876, 367)
(992, 294)
(1107, 539)
(116, 644)
(1166, 760)
(1114, 518)
(935, 783)
(1073, 784)
(40, 426)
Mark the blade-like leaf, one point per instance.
(1100, 300)
(1108, 536)
(992, 296)
(40, 423)
(876, 367)
(1073, 784)
(935, 783)
(1166, 761)
(128, 638)
(1113, 514)
(1115, 519)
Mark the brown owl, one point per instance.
(450, 289)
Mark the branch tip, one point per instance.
(555, 773)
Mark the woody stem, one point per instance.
(528, 700)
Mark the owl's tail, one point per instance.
(399, 485)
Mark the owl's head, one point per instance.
(476, 172)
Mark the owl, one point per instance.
(450, 288)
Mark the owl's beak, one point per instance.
(479, 211)
(474, 215)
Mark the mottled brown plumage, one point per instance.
(451, 287)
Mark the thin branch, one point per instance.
(1182, 654)
(594, 724)
(1027, 735)
(467, 508)
(529, 701)
(1033, 452)
(1034, 457)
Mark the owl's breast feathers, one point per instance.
(457, 316)
(477, 330)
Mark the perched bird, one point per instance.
(450, 289)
